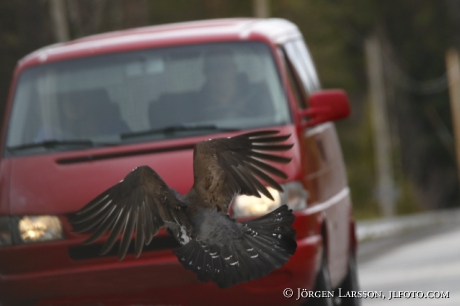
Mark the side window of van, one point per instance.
(301, 64)
(301, 96)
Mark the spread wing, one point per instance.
(140, 203)
(224, 167)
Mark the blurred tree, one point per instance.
(419, 33)
(261, 8)
(59, 16)
(90, 17)
(24, 27)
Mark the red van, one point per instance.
(82, 114)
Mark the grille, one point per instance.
(83, 252)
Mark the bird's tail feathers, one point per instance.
(265, 245)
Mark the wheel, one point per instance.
(323, 283)
(350, 283)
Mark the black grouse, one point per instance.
(214, 246)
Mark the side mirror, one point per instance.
(326, 105)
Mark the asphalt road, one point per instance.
(426, 262)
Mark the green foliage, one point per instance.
(163, 11)
(357, 148)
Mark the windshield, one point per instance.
(119, 98)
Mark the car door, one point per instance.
(324, 170)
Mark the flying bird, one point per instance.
(213, 245)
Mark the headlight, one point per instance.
(294, 195)
(39, 228)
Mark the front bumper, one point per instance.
(46, 274)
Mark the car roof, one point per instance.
(275, 30)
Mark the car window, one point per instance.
(300, 94)
(300, 58)
(232, 85)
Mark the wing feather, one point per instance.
(267, 168)
(128, 232)
(273, 139)
(139, 205)
(224, 167)
(266, 178)
(151, 228)
(271, 147)
(259, 186)
(140, 231)
(95, 214)
(270, 157)
(115, 231)
(103, 226)
(99, 200)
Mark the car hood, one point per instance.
(62, 183)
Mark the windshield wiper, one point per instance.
(178, 128)
(52, 144)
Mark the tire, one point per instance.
(350, 283)
(323, 283)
